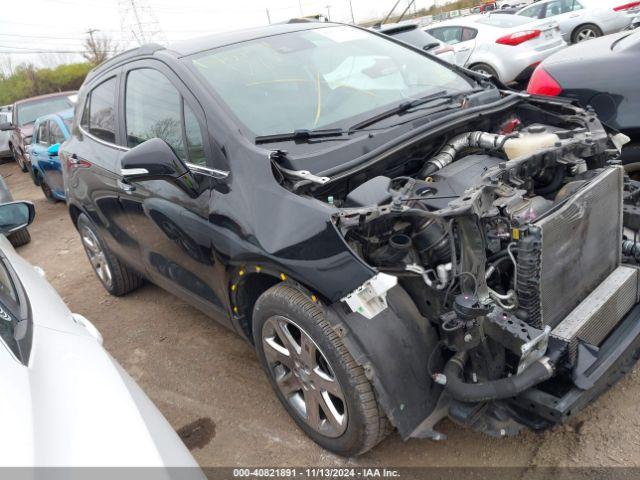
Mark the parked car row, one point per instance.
(529, 34)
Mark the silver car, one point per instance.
(64, 401)
(582, 20)
(504, 46)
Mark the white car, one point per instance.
(417, 37)
(582, 20)
(64, 401)
(507, 47)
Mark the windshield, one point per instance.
(504, 21)
(28, 112)
(319, 78)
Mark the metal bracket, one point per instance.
(370, 298)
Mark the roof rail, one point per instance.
(146, 49)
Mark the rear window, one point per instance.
(99, 112)
(416, 37)
(28, 112)
(504, 21)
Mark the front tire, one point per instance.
(586, 32)
(116, 278)
(313, 374)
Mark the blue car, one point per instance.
(49, 132)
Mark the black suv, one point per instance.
(400, 239)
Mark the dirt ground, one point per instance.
(209, 385)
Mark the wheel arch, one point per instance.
(247, 283)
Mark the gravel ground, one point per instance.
(209, 384)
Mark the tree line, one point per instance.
(27, 80)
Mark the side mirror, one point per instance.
(5, 126)
(53, 150)
(430, 46)
(156, 160)
(15, 216)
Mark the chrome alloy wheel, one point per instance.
(586, 34)
(96, 255)
(304, 377)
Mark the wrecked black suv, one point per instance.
(400, 239)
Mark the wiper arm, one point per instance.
(403, 107)
(301, 135)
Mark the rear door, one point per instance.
(462, 39)
(53, 172)
(170, 224)
(39, 145)
(92, 163)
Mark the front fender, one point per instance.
(393, 348)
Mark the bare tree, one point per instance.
(97, 49)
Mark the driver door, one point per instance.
(170, 223)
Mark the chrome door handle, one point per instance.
(126, 187)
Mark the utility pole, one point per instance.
(138, 22)
(90, 32)
(328, 7)
(268, 17)
(353, 18)
(300, 5)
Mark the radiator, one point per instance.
(567, 253)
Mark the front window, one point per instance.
(319, 78)
(28, 112)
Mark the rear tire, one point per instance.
(116, 278)
(585, 32)
(317, 374)
(486, 69)
(19, 238)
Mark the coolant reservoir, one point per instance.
(531, 140)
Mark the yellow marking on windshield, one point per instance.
(319, 101)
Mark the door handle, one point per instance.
(464, 49)
(126, 187)
(574, 15)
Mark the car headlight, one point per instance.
(27, 140)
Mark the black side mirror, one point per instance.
(156, 160)
(430, 46)
(5, 126)
(15, 216)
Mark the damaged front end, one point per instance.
(507, 289)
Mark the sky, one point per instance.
(50, 32)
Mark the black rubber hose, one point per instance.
(554, 185)
(537, 372)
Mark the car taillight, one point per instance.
(518, 37)
(444, 49)
(541, 83)
(626, 6)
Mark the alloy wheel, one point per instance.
(96, 256)
(586, 34)
(304, 377)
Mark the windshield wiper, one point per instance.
(302, 135)
(402, 108)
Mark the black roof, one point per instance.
(201, 44)
(189, 47)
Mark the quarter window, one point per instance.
(155, 109)
(450, 35)
(99, 112)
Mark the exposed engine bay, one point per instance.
(508, 235)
